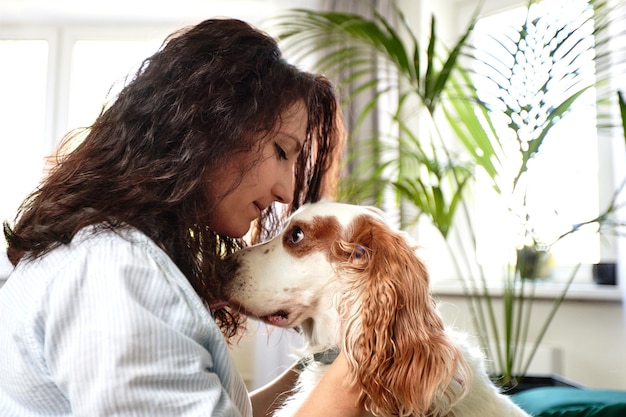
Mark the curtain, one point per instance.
(378, 119)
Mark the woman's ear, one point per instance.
(400, 356)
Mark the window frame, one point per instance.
(612, 167)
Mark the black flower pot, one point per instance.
(528, 382)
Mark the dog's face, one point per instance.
(349, 280)
(290, 281)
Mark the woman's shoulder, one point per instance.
(93, 248)
(118, 263)
(98, 247)
(110, 272)
(116, 239)
(127, 255)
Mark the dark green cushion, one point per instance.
(572, 402)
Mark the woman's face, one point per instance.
(271, 179)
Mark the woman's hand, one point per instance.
(330, 398)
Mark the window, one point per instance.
(99, 68)
(23, 79)
(562, 180)
(36, 116)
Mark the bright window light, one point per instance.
(23, 78)
(563, 181)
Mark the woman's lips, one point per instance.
(259, 208)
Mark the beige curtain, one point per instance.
(378, 120)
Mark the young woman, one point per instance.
(114, 306)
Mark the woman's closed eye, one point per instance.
(280, 152)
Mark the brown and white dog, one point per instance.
(349, 281)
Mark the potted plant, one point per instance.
(441, 133)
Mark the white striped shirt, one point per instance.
(109, 326)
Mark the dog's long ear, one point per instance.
(400, 357)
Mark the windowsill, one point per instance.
(543, 290)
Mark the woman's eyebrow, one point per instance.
(296, 144)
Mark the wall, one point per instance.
(264, 353)
(588, 337)
(591, 335)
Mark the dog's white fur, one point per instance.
(348, 280)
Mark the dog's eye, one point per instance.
(296, 235)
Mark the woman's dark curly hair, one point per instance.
(208, 94)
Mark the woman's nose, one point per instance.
(284, 187)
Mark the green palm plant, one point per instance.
(443, 131)
(360, 51)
